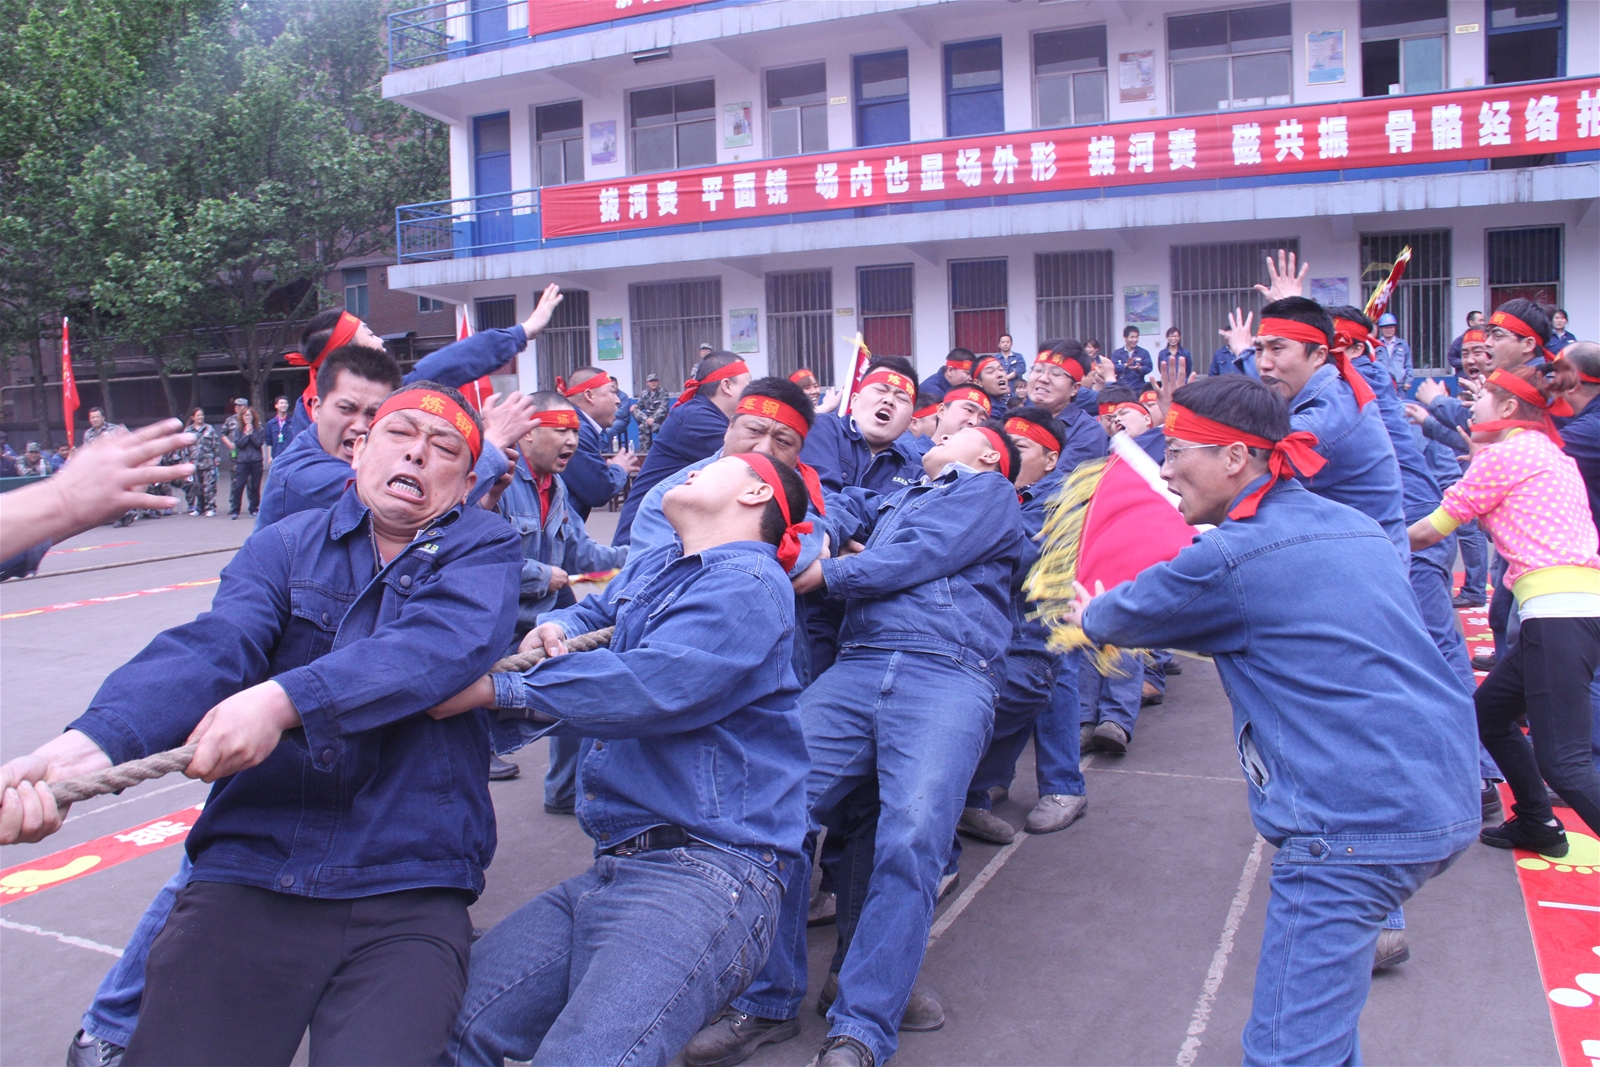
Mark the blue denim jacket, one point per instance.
(591, 481)
(933, 387)
(1029, 635)
(370, 795)
(842, 457)
(1131, 366)
(1086, 438)
(1223, 361)
(690, 716)
(559, 539)
(1395, 358)
(689, 434)
(1361, 471)
(937, 572)
(1419, 488)
(1582, 436)
(1357, 740)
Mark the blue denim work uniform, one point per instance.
(933, 387)
(690, 723)
(590, 480)
(691, 432)
(1132, 367)
(1394, 357)
(1224, 361)
(927, 612)
(1086, 438)
(1355, 739)
(1361, 470)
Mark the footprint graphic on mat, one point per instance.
(1583, 856)
(30, 880)
(1588, 989)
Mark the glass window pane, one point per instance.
(974, 65)
(493, 133)
(1423, 64)
(653, 149)
(1064, 50)
(1397, 18)
(651, 107)
(1261, 80)
(783, 130)
(814, 128)
(973, 113)
(1090, 93)
(1523, 12)
(696, 100)
(1380, 67)
(574, 171)
(806, 84)
(1197, 35)
(1055, 102)
(551, 164)
(355, 276)
(882, 75)
(886, 123)
(553, 120)
(1252, 29)
(697, 144)
(1199, 87)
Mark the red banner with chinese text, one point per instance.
(547, 16)
(1532, 118)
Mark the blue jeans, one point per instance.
(561, 780)
(1025, 696)
(115, 1010)
(1316, 957)
(1474, 560)
(1055, 736)
(624, 963)
(870, 716)
(1111, 699)
(1155, 669)
(1430, 583)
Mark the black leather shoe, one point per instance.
(1493, 809)
(501, 771)
(86, 1051)
(841, 1050)
(734, 1036)
(923, 1011)
(1461, 600)
(558, 809)
(1517, 832)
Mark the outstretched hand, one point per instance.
(1080, 603)
(1238, 335)
(1174, 375)
(507, 418)
(549, 300)
(1285, 282)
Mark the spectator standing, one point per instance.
(58, 458)
(618, 432)
(98, 428)
(278, 434)
(1132, 361)
(32, 462)
(650, 410)
(206, 455)
(8, 465)
(247, 440)
(1560, 336)
(1394, 354)
(1453, 356)
(1014, 363)
(230, 425)
(1175, 349)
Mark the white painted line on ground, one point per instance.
(966, 898)
(1569, 907)
(129, 800)
(1168, 774)
(65, 939)
(1219, 959)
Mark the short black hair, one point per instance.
(900, 365)
(1039, 417)
(1117, 394)
(712, 361)
(1092, 341)
(316, 332)
(373, 364)
(548, 400)
(1240, 402)
(1126, 330)
(100, 410)
(1470, 314)
(1353, 313)
(436, 387)
(1299, 309)
(794, 491)
(960, 355)
(1013, 454)
(1535, 316)
(785, 391)
(1560, 311)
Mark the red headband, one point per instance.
(767, 407)
(1474, 337)
(594, 381)
(1297, 451)
(892, 378)
(1000, 446)
(1347, 333)
(1113, 408)
(557, 418)
(434, 404)
(958, 364)
(789, 548)
(1149, 395)
(802, 375)
(967, 392)
(1057, 359)
(1520, 328)
(977, 366)
(1033, 432)
(344, 328)
(930, 408)
(1528, 394)
(1294, 331)
(731, 370)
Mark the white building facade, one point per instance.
(1036, 168)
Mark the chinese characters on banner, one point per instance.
(1532, 118)
(548, 16)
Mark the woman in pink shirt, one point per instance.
(1531, 499)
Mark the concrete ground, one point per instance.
(1089, 946)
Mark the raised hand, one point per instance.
(1174, 373)
(549, 300)
(507, 418)
(1238, 335)
(1285, 282)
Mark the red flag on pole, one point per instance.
(1378, 302)
(69, 384)
(479, 391)
(858, 370)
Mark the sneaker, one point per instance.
(985, 825)
(1484, 660)
(734, 1036)
(1087, 741)
(1462, 600)
(1109, 737)
(824, 908)
(923, 1011)
(842, 1050)
(500, 770)
(234, 516)
(1150, 695)
(1518, 832)
(87, 1051)
(211, 514)
(193, 511)
(1055, 811)
(1392, 950)
(1493, 809)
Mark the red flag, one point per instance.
(857, 372)
(1378, 302)
(1131, 524)
(482, 389)
(69, 384)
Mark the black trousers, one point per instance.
(246, 475)
(239, 973)
(1545, 675)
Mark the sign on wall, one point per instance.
(1141, 304)
(548, 16)
(1136, 76)
(608, 335)
(1324, 57)
(1461, 124)
(602, 142)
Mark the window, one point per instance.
(559, 149)
(797, 110)
(668, 321)
(491, 174)
(1075, 295)
(800, 323)
(674, 126)
(974, 97)
(1402, 46)
(1230, 59)
(1524, 40)
(1422, 299)
(1069, 77)
(1208, 281)
(883, 299)
(355, 292)
(495, 312)
(978, 303)
(427, 304)
(883, 99)
(563, 346)
(1525, 263)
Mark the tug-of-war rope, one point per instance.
(123, 775)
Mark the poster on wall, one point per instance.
(1324, 57)
(1330, 292)
(1142, 304)
(742, 336)
(1136, 76)
(736, 125)
(608, 332)
(602, 142)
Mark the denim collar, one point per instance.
(350, 514)
(1316, 385)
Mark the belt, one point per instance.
(657, 837)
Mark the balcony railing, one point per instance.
(468, 226)
(437, 32)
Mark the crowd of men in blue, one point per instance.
(819, 623)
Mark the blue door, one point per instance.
(491, 174)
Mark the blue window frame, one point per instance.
(883, 98)
(491, 173)
(974, 93)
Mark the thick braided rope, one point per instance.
(123, 775)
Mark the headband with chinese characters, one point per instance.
(975, 395)
(1033, 432)
(892, 378)
(557, 418)
(767, 407)
(1058, 359)
(1296, 452)
(1508, 321)
(596, 380)
(426, 400)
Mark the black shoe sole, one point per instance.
(783, 1032)
(1501, 842)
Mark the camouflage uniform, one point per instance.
(35, 468)
(650, 411)
(205, 454)
(106, 429)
